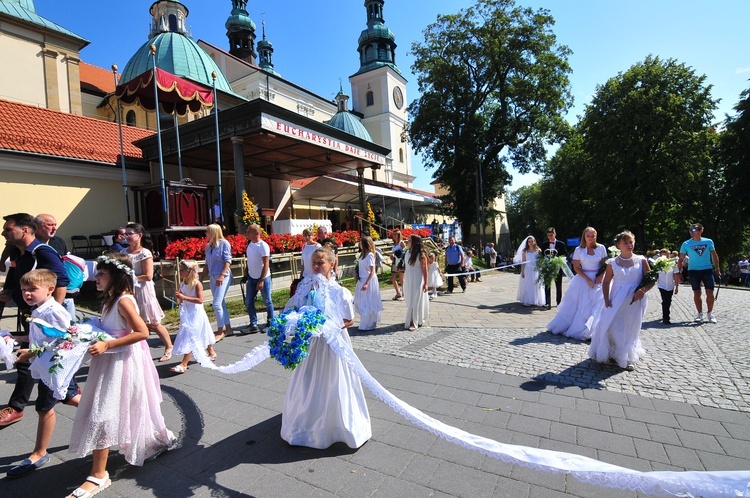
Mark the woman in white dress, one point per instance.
(615, 334)
(576, 310)
(307, 249)
(415, 285)
(325, 403)
(530, 289)
(367, 294)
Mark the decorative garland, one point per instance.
(290, 332)
(117, 264)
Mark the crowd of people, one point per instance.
(119, 405)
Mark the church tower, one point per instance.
(241, 32)
(265, 53)
(168, 17)
(379, 94)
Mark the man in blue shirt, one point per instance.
(702, 263)
(454, 263)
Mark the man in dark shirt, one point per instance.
(19, 230)
(46, 228)
(454, 263)
(551, 248)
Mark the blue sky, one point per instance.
(315, 43)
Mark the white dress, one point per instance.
(325, 403)
(615, 333)
(433, 276)
(530, 290)
(120, 403)
(368, 303)
(195, 330)
(575, 314)
(307, 252)
(417, 301)
(145, 292)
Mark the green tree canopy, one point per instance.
(493, 81)
(647, 138)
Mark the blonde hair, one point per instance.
(306, 232)
(191, 280)
(39, 278)
(583, 237)
(214, 234)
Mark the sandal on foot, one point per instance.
(101, 485)
(219, 337)
(178, 369)
(395, 298)
(213, 357)
(630, 367)
(167, 355)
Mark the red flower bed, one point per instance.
(408, 232)
(195, 247)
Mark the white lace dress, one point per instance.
(530, 290)
(417, 301)
(325, 403)
(120, 403)
(195, 330)
(575, 314)
(368, 303)
(615, 333)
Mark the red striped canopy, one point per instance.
(175, 93)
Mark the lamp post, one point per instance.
(122, 147)
(218, 147)
(152, 49)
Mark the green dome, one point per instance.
(376, 32)
(179, 55)
(238, 21)
(345, 121)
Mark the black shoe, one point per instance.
(26, 467)
(449, 292)
(251, 329)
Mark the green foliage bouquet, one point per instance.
(661, 264)
(549, 268)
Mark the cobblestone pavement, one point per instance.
(705, 364)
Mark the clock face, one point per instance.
(398, 97)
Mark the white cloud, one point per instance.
(741, 70)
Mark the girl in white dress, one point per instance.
(367, 298)
(575, 314)
(145, 294)
(415, 285)
(615, 334)
(325, 403)
(120, 400)
(530, 289)
(434, 275)
(307, 249)
(195, 330)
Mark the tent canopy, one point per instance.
(175, 93)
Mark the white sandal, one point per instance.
(101, 484)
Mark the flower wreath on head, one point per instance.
(290, 332)
(117, 264)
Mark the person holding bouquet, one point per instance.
(668, 284)
(120, 405)
(583, 296)
(615, 334)
(37, 287)
(325, 403)
(530, 287)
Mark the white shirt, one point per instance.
(666, 280)
(256, 251)
(51, 312)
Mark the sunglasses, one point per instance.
(695, 229)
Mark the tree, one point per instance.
(524, 213)
(492, 81)
(648, 134)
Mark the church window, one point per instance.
(173, 24)
(400, 155)
(370, 98)
(130, 118)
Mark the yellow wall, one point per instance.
(22, 79)
(82, 206)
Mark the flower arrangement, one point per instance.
(62, 342)
(613, 252)
(290, 332)
(249, 213)
(661, 264)
(371, 218)
(408, 232)
(549, 268)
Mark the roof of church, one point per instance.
(179, 55)
(37, 130)
(96, 79)
(25, 11)
(348, 122)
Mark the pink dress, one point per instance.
(145, 293)
(120, 401)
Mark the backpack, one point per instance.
(75, 268)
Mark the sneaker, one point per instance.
(711, 318)
(699, 317)
(9, 415)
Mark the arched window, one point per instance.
(130, 118)
(400, 155)
(370, 97)
(173, 27)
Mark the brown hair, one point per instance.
(40, 277)
(120, 281)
